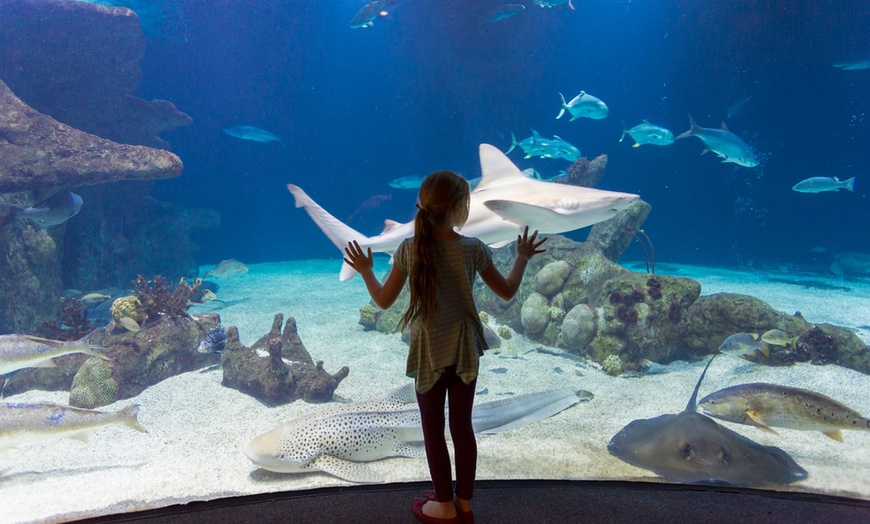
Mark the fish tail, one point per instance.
(513, 143)
(129, 417)
(337, 231)
(849, 184)
(693, 127)
(564, 105)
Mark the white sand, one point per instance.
(197, 428)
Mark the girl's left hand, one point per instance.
(356, 259)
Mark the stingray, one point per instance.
(692, 448)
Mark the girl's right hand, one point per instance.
(526, 245)
(357, 259)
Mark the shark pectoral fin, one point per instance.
(836, 435)
(46, 364)
(753, 416)
(520, 213)
(346, 272)
(345, 469)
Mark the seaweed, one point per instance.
(73, 325)
(157, 297)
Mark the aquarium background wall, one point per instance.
(184, 256)
(419, 90)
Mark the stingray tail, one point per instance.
(336, 230)
(693, 402)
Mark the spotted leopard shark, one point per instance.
(341, 439)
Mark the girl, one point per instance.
(446, 334)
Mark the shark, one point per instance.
(691, 448)
(728, 146)
(341, 439)
(502, 203)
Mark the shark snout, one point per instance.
(263, 449)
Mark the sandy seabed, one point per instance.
(197, 429)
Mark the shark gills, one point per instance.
(340, 439)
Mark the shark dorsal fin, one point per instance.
(389, 225)
(496, 168)
(693, 402)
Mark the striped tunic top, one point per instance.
(454, 334)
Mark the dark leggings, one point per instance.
(461, 400)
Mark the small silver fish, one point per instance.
(764, 405)
(227, 269)
(254, 134)
(25, 423)
(819, 184)
(646, 133)
(583, 105)
(744, 345)
(23, 351)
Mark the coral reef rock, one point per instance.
(160, 350)
(38, 152)
(79, 63)
(285, 375)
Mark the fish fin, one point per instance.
(497, 245)
(346, 469)
(850, 184)
(389, 225)
(724, 126)
(46, 364)
(765, 349)
(520, 213)
(636, 144)
(571, 5)
(564, 105)
(835, 434)
(129, 415)
(514, 143)
(707, 150)
(753, 416)
(624, 131)
(81, 437)
(693, 127)
(755, 336)
(46, 341)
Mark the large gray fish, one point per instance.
(583, 105)
(254, 134)
(646, 133)
(55, 210)
(689, 447)
(819, 184)
(729, 147)
(23, 351)
(228, 268)
(25, 423)
(339, 439)
(537, 145)
(766, 405)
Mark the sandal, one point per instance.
(426, 519)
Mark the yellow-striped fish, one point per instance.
(770, 405)
(23, 351)
(24, 423)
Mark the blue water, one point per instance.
(428, 83)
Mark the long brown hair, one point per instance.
(444, 198)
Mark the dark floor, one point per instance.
(523, 502)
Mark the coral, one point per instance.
(368, 316)
(504, 332)
(578, 328)
(128, 307)
(156, 297)
(74, 323)
(272, 380)
(675, 311)
(535, 313)
(484, 317)
(654, 288)
(551, 278)
(604, 345)
(93, 386)
(557, 313)
(612, 365)
(627, 315)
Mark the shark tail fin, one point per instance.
(564, 105)
(336, 230)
